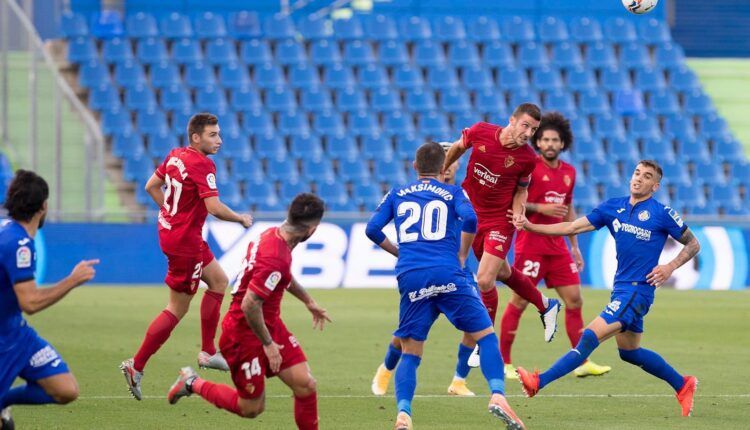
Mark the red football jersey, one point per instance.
(494, 171)
(190, 177)
(267, 272)
(548, 185)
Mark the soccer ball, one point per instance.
(639, 6)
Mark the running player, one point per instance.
(425, 213)
(23, 353)
(190, 195)
(254, 339)
(543, 257)
(497, 179)
(640, 226)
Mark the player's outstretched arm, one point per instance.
(218, 209)
(32, 299)
(320, 315)
(570, 216)
(252, 307)
(153, 188)
(662, 272)
(454, 153)
(580, 225)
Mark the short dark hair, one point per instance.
(530, 109)
(430, 158)
(557, 122)
(198, 123)
(654, 165)
(26, 195)
(305, 208)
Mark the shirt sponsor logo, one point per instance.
(555, 197)
(273, 280)
(509, 161)
(485, 175)
(23, 257)
(573, 268)
(442, 192)
(174, 161)
(612, 307)
(431, 291)
(644, 215)
(640, 233)
(621, 210)
(43, 356)
(24, 241)
(497, 236)
(211, 181)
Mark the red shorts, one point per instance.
(249, 364)
(493, 239)
(556, 270)
(184, 272)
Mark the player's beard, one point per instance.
(552, 158)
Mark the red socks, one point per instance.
(158, 333)
(574, 325)
(220, 395)
(523, 286)
(489, 298)
(508, 328)
(306, 412)
(210, 312)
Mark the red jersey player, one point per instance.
(190, 195)
(254, 339)
(547, 257)
(497, 178)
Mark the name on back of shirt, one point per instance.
(175, 161)
(442, 192)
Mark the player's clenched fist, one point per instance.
(246, 220)
(83, 272)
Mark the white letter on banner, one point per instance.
(364, 257)
(233, 242)
(327, 254)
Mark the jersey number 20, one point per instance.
(434, 219)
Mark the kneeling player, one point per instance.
(254, 339)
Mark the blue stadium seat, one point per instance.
(497, 54)
(325, 52)
(650, 79)
(340, 204)
(73, 24)
(159, 144)
(581, 128)
(629, 102)
(199, 75)
(358, 53)
(373, 77)
(623, 151)
(314, 28)
(658, 149)
(608, 126)
(117, 50)
(348, 29)
(328, 123)
(176, 97)
(257, 123)
(739, 210)
(699, 103)
(272, 148)
(152, 50)
(255, 52)
(363, 123)
(600, 55)
(221, 51)
(476, 78)
(434, 125)
(367, 192)
(512, 78)
(420, 101)
(306, 146)
(428, 54)
(350, 100)
(653, 31)
(675, 173)
(104, 97)
(603, 172)
(82, 50)
(293, 123)
(546, 79)
(186, 51)
(316, 100)
(593, 103)
(244, 99)
(727, 149)
(616, 190)
(462, 120)
(129, 145)
(385, 100)
(644, 127)
(106, 24)
(713, 126)
(268, 76)
(725, 194)
(455, 100)
(290, 53)
(303, 76)
(376, 147)
(342, 147)
(589, 150)
(407, 77)
(619, 30)
(581, 79)
(209, 25)
(414, 28)
(396, 123)
(140, 97)
(136, 169)
(449, 28)
(563, 102)
(243, 25)
(234, 76)
(690, 194)
(152, 121)
(669, 55)
(393, 53)
(211, 99)
(442, 78)
(739, 173)
(317, 170)
(236, 143)
(175, 26)
(337, 76)
(249, 169)
(270, 204)
(141, 25)
(664, 103)
(679, 127)
(92, 74)
(483, 29)
(381, 28)
(518, 30)
(179, 121)
(683, 79)
(333, 191)
(390, 170)
(282, 169)
(230, 193)
(491, 102)
(634, 56)
(585, 30)
(552, 30)
(532, 55)
(615, 79)
(566, 55)
(406, 146)
(279, 27)
(463, 54)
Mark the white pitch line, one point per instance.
(440, 396)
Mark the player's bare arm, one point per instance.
(154, 189)
(662, 272)
(454, 153)
(519, 203)
(218, 209)
(32, 299)
(463, 252)
(320, 315)
(580, 225)
(252, 307)
(571, 216)
(549, 209)
(389, 247)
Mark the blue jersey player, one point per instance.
(640, 226)
(430, 276)
(23, 353)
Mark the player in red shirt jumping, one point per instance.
(254, 339)
(497, 178)
(547, 257)
(190, 195)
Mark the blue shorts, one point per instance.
(32, 359)
(629, 307)
(427, 294)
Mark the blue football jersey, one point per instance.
(429, 217)
(640, 232)
(17, 264)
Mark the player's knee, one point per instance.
(306, 387)
(219, 284)
(574, 302)
(503, 273)
(486, 282)
(629, 355)
(66, 394)
(252, 411)
(518, 302)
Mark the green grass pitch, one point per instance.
(700, 333)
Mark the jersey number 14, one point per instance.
(434, 220)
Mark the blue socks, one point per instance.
(406, 381)
(391, 357)
(30, 394)
(491, 363)
(574, 358)
(654, 364)
(462, 366)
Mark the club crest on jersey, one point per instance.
(250, 388)
(485, 175)
(644, 215)
(567, 180)
(509, 161)
(23, 257)
(211, 180)
(482, 148)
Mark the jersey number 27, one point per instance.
(433, 218)
(172, 194)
